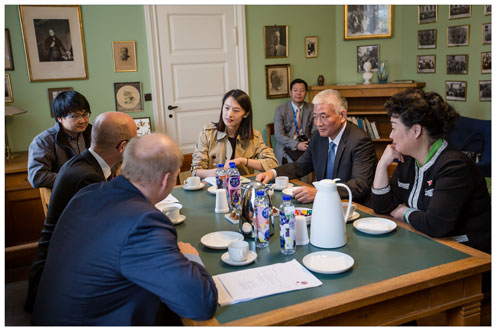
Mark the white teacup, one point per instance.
(172, 211)
(238, 250)
(192, 182)
(281, 181)
(345, 207)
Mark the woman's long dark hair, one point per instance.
(245, 130)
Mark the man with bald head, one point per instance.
(109, 136)
(114, 257)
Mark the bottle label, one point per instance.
(287, 228)
(234, 191)
(221, 181)
(262, 224)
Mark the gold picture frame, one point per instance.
(427, 14)
(354, 19)
(276, 41)
(484, 90)
(455, 90)
(9, 95)
(487, 10)
(311, 47)
(458, 35)
(52, 94)
(277, 79)
(427, 39)
(459, 11)
(124, 56)
(426, 64)
(486, 62)
(54, 47)
(457, 64)
(486, 33)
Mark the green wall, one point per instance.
(122, 23)
(336, 59)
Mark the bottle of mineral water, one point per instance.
(262, 219)
(234, 187)
(220, 176)
(287, 226)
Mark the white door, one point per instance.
(197, 54)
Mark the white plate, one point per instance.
(251, 257)
(328, 262)
(277, 188)
(374, 225)
(189, 188)
(212, 190)
(179, 220)
(289, 190)
(220, 239)
(353, 216)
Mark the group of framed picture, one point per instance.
(456, 64)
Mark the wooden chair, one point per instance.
(45, 194)
(185, 171)
(270, 133)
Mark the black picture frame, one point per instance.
(280, 50)
(9, 59)
(128, 97)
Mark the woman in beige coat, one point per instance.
(232, 139)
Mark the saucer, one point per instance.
(190, 188)
(278, 188)
(374, 225)
(212, 190)
(179, 220)
(353, 216)
(290, 190)
(220, 239)
(328, 262)
(251, 257)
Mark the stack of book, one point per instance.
(369, 127)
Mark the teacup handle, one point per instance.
(185, 182)
(349, 201)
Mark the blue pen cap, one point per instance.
(220, 165)
(286, 197)
(260, 193)
(232, 164)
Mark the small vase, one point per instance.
(383, 72)
(320, 80)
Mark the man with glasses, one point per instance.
(109, 136)
(69, 136)
(338, 149)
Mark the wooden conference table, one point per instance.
(397, 277)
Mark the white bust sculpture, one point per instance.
(367, 75)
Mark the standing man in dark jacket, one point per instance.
(110, 134)
(70, 135)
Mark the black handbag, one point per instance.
(293, 154)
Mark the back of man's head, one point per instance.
(331, 97)
(69, 102)
(110, 129)
(148, 158)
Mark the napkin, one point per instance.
(373, 226)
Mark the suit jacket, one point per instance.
(354, 164)
(113, 257)
(78, 172)
(284, 127)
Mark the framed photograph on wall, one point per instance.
(124, 56)
(485, 62)
(144, 125)
(427, 14)
(9, 59)
(484, 90)
(426, 64)
(52, 94)
(276, 41)
(311, 47)
(427, 39)
(368, 21)
(486, 34)
(277, 78)
(487, 10)
(458, 35)
(368, 53)
(128, 97)
(457, 64)
(9, 96)
(459, 11)
(456, 90)
(54, 42)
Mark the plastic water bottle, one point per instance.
(262, 219)
(220, 176)
(287, 226)
(234, 187)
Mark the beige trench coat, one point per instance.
(213, 147)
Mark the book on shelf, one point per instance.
(402, 81)
(374, 129)
(369, 127)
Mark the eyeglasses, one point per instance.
(120, 142)
(323, 118)
(80, 116)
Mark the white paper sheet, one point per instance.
(249, 284)
(169, 199)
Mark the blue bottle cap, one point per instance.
(260, 193)
(220, 165)
(286, 197)
(232, 164)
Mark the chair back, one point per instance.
(185, 171)
(270, 133)
(45, 194)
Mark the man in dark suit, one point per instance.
(339, 149)
(110, 134)
(293, 124)
(114, 257)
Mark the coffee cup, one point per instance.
(238, 250)
(192, 182)
(281, 181)
(172, 211)
(345, 207)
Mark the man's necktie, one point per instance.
(298, 118)
(330, 160)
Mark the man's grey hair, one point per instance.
(107, 133)
(147, 164)
(332, 97)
